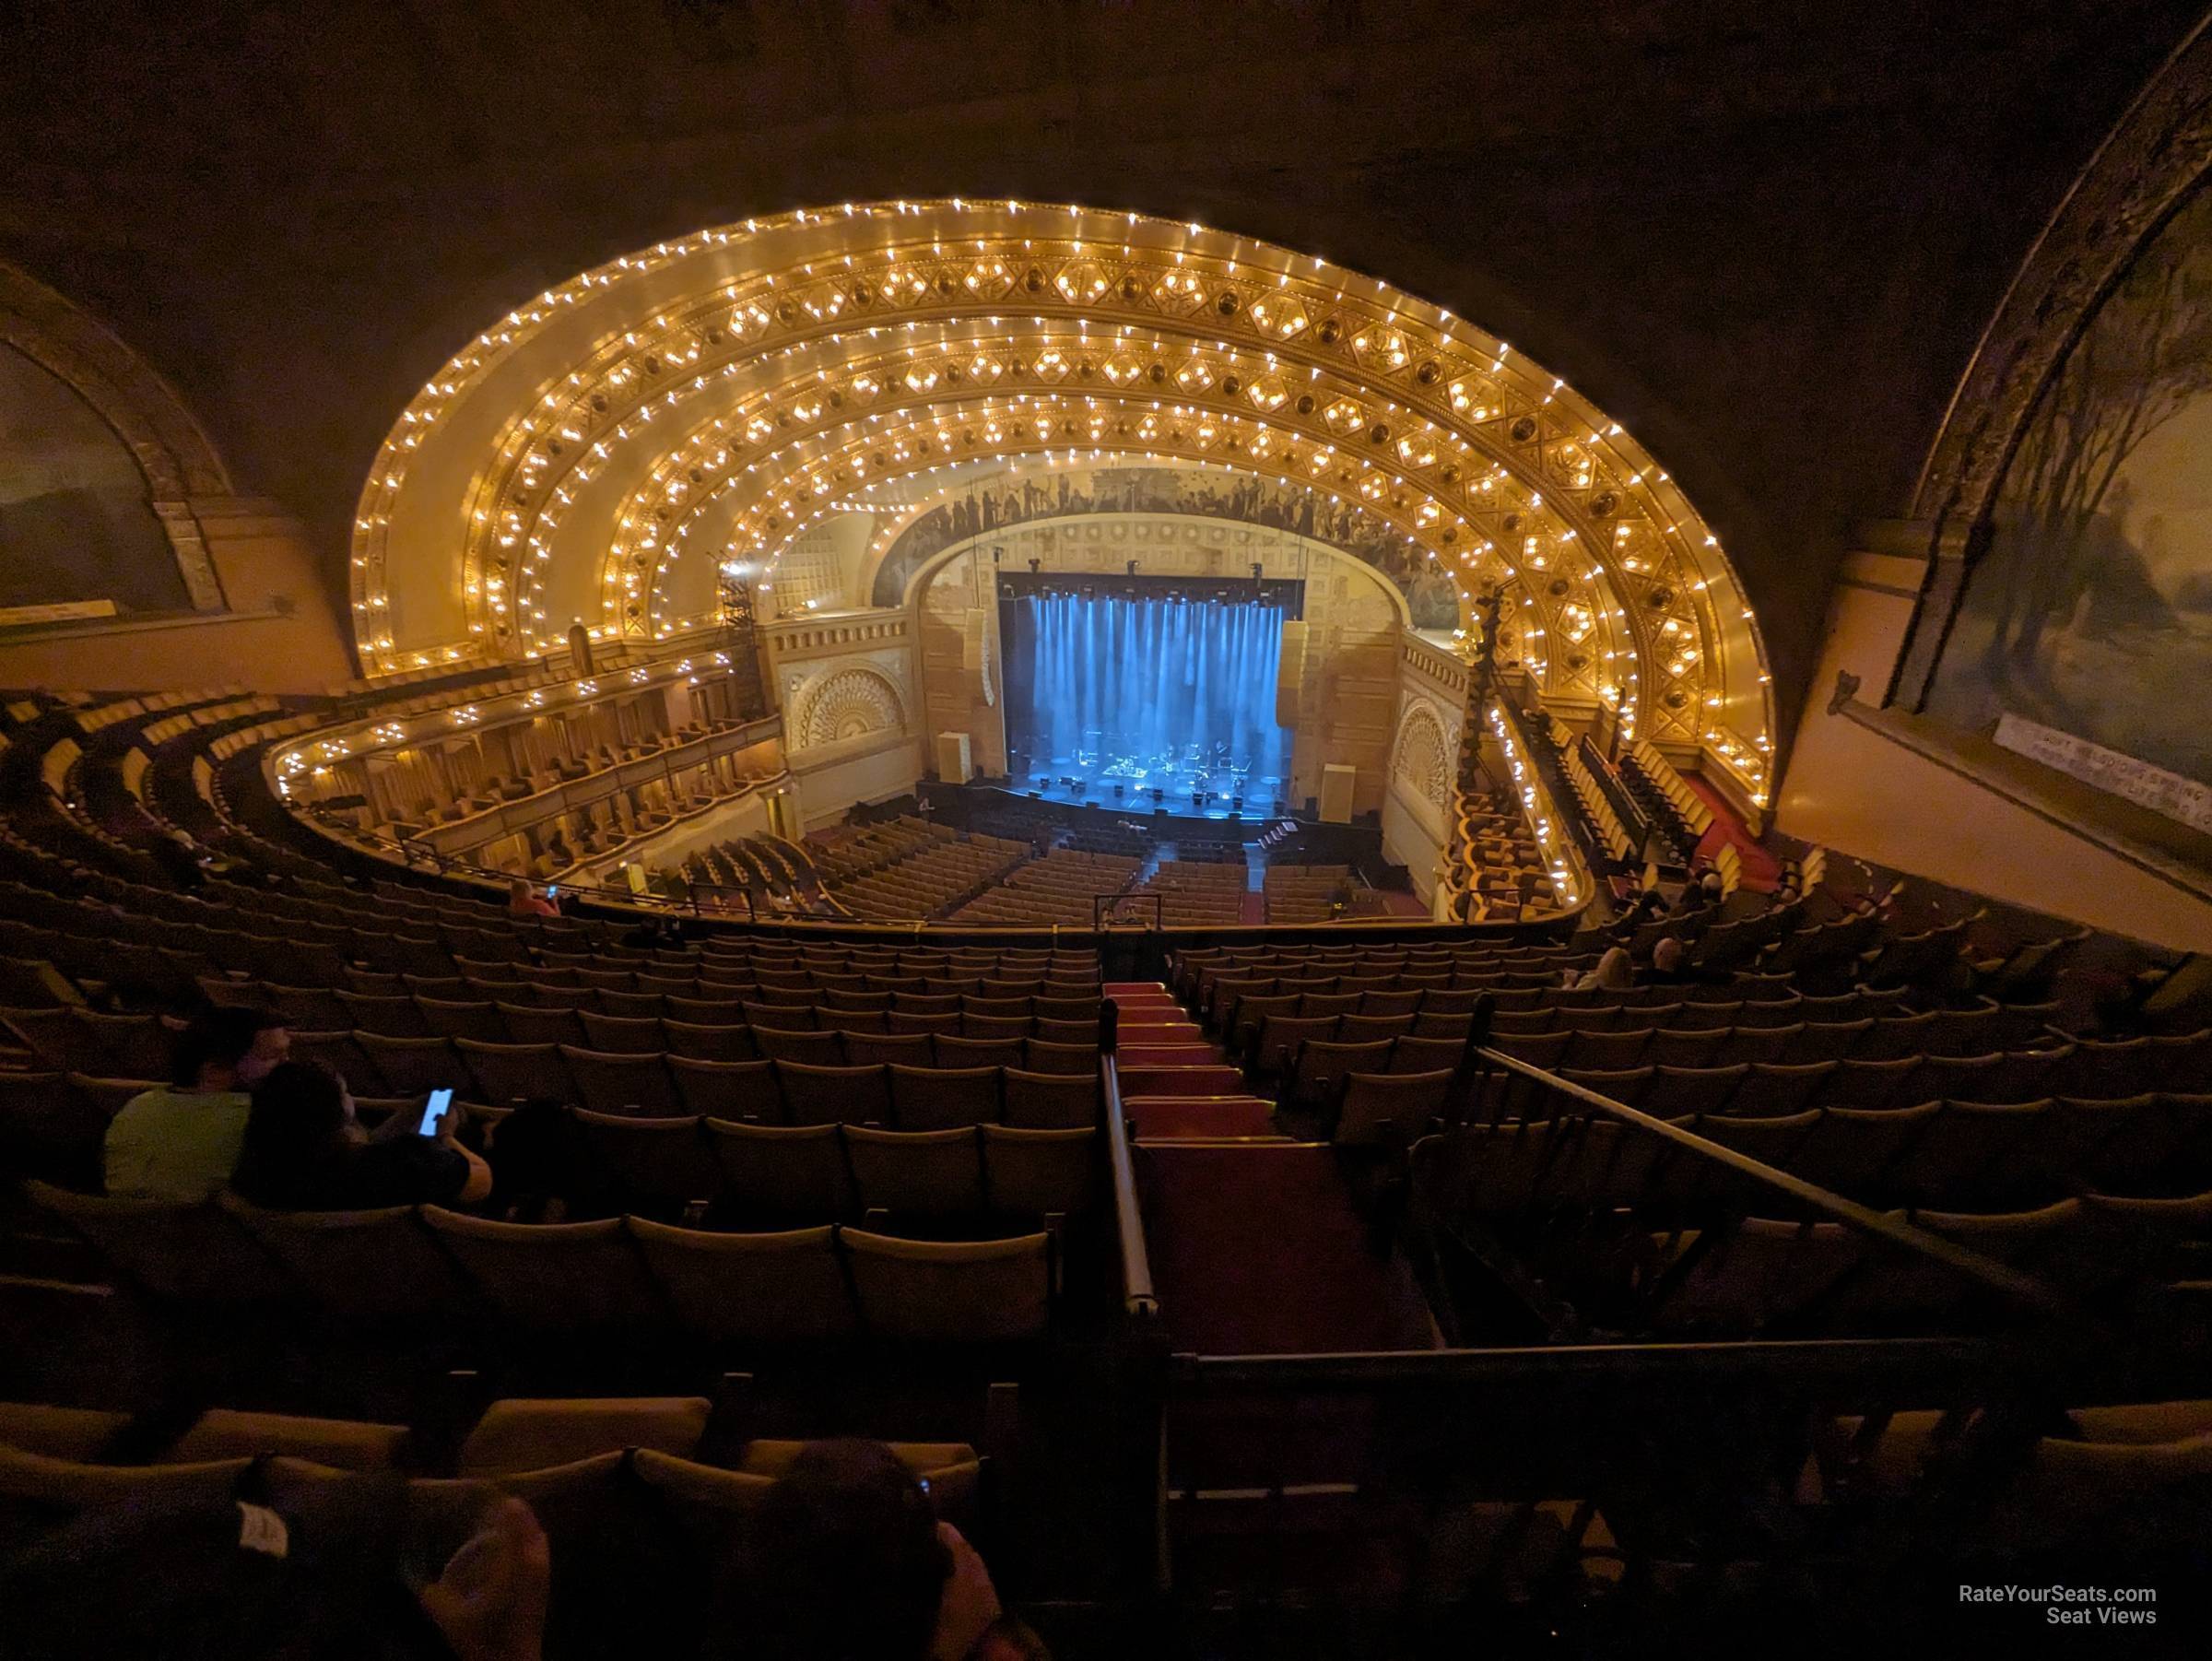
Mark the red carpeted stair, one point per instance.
(1761, 869)
(1255, 1246)
(1175, 1083)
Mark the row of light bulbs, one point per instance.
(1388, 344)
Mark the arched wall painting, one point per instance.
(2091, 611)
(1017, 498)
(75, 521)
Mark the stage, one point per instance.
(1147, 693)
(1184, 785)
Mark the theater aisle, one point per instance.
(1255, 1246)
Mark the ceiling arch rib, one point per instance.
(822, 474)
(623, 372)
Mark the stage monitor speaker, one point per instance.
(955, 765)
(1337, 793)
(1290, 673)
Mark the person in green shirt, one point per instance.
(180, 1141)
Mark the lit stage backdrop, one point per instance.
(1146, 684)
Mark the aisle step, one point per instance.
(1169, 1055)
(1152, 1080)
(1201, 1118)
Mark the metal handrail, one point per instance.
(1138, 1295)
(1862, 1218)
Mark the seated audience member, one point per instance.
(179, 859)
(522, 900)
(543, 1164)
(331, 1577)
(178, 1142)
(1612, 972)
(1671, 966)
(849, 1561)
(304, 1151)
(1647, 905)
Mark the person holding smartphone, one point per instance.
(304, 1150)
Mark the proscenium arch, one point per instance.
(553, 466)
(928, 570)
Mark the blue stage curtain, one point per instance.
(1145, 678)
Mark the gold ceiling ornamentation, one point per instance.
(597, 453)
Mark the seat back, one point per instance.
(1035, 1174)
(924, 1173)
(752, 1288)
(972, 1291)
(783, 1174)
(1049, 1101)
(552, 1278)
(195, 1254)
(367, 1267)
(657, 1166)
(926, 1098)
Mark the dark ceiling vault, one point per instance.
(1763, 235)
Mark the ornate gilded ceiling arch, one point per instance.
(595, 453)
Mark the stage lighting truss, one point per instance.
(728, 389)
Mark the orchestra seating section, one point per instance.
(869, 1167)
(1304, 893)
(908, 867)
(1196, 894)
(1061, 889)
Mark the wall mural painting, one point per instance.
(1010, 500)
(75, 524)
(2091, 612)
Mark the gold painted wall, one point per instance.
(276, 632)
(1857, 791)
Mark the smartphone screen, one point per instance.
(552, 889)
(433, 1115)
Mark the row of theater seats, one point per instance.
(119, 928)
(1191, 963)
(2155, 1148)
(417, 1007)
(647, 1503)
(1639, 1240)
(510, 1436)
(1194, 895)
(954, 1182)
(53, 1124)
(662, 1081)
(424, 1270)
(1302, 893)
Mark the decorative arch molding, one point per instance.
(708, 398)
(1421, 753)
(1220, 495)
(173, 451)
(926, 572)
(843, 703)
(2153, 162)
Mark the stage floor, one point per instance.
(1186, 792)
